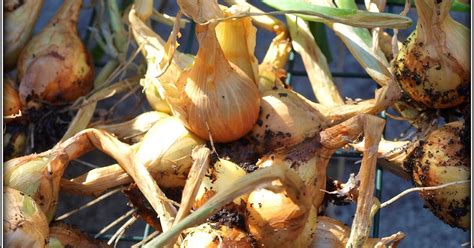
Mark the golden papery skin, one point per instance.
(24, 224)
(274, 219)
(29, 174)
(217, 97)
(333, 233)
(229, 111)
(69, 237)
(442, 159)
(237, 38)
(205, 236)
(55, 65)
(19, 24)
(437, 80)
(156, 102)
(222, 174)
(169, 159)
(285, 119)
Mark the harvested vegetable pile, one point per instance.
(224, 153)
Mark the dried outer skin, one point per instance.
(165, 150)
(24, 224)
(285, 119)
(20, 19)
(156, 102)
(274, 219)
(441, 159)
(430, 70)
(55, 65)
(208, 235)
(39, 175)
(218, 176)
(31, 177)
(168, 160)
(136, 128)
(333, 233)
(215, 97)
(62, 235)
(237, 38)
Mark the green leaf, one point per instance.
(356, 18)
(461, 7)
(319, 31)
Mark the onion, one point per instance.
(24, 224)
(165, 150)
(30, 175)
(156, 102)
(55, 65)
(136, 128)
(210, 235)
(62, 235)
(11, 102)
(20, 19)
(275, 219)
(442, 158)
(433, 66)
(286, 119)
(170, 159)
(215, 96)
(218, 177)
(333, 233)
(237, 39)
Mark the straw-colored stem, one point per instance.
(96, 181)
(373, 129)
(201, 156)
(196, 174)
(392, 155)
(136, 126)
(124, 155)
(248, 183)
(267, 22)
(342, 134)
(144, 9)
(314, 61)
(384, 97)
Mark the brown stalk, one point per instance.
(263, 177)
(340, 135)
(124, 155)
(201, 156)
(392, 155)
